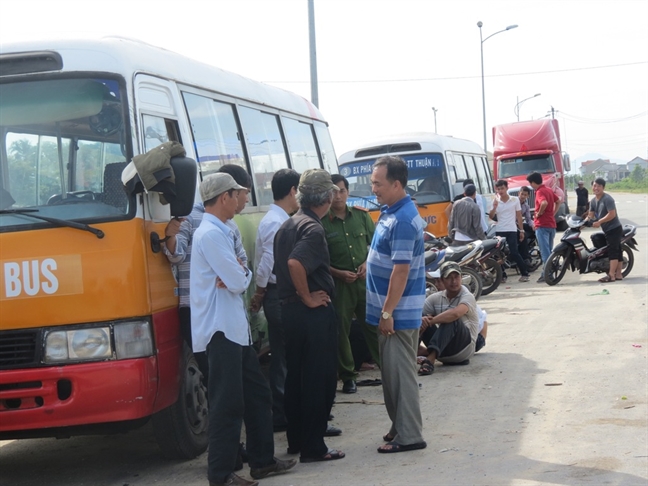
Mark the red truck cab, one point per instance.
(531, 146)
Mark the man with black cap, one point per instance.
(305, 288)
(450, 322)
(238, 390)
(582, 196)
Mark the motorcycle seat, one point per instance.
(456, 253)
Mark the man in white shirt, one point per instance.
(237, 389)
(284, 190)
(509, 225)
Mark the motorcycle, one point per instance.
(535, 259)
(489, 263)
(572, 252)
(466, 256)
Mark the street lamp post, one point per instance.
(434, 110)
(516, 110)
(482, 40)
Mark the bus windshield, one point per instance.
(63, 151)
(427, 180)
(523, 166)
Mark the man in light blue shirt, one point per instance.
(237, 389)
(395, 298)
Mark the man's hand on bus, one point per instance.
(170, 232)
(173, 228)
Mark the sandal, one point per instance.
(427, 368)
(331, 455)
(388, 438)
(605, 279)
(391, 447)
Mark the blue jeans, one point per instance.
(545, 237)
(512, 240)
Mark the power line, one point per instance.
(410, 80)
(580, 119)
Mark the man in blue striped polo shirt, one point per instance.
(395, 298)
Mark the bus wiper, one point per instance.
(365, 199)
(59, 222)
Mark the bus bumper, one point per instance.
(77, 394)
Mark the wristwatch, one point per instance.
(385, 315)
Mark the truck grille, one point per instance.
(516, 192)
(18, 348)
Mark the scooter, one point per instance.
(572, 252)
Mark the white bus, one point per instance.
(437, 166)
(89, 329)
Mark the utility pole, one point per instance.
(435, 126)
(313, 53)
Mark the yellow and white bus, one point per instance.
(89, 332)
(437, 166)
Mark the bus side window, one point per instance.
(158, 130)
(266, 149)
(329, 161)
(301, 144)
(471, 171)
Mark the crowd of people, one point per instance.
(320, 266)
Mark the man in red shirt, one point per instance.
(544, 220)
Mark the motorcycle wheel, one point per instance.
(491, 274)
(556, 266)
(628, 260)
(472, 281)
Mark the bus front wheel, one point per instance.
(181, 429)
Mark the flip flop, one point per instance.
(393, 447)
(331, 455)
(427, 368)
(605, 279)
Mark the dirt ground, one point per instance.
(558, 396)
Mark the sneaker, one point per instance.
(234, 480)
(541, 279)
(279, 467)
(524, 278)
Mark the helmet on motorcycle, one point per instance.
(598, 240)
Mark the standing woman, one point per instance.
(602, 212)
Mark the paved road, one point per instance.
(558, 396)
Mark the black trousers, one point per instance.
(512, 240)
(277, 371)
(447, 339)
(311, 360)
(238, 392)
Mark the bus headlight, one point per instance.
(133, 339)
(78, 345)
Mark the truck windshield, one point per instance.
(525, 165)
(62, 151)
(427, 180)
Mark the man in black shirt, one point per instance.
(582, 195)
(305, 287)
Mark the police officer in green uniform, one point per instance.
(348, 233)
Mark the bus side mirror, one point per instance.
(180, 195)
(185, 171)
